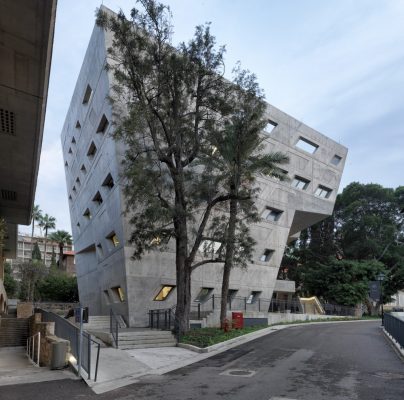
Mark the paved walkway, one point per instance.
(15, 368)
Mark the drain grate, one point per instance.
(238, 372)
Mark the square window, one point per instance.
(91, 150)
(300, 183)
(87, 94)
(108, 182)
(98, 198)
(164, 293)
(118, 294)
(83, 169)
(210, 246)
(271, 214)
(306, 145)
(336, 159)
(271, 125)
(266, 255)
(103, 125)
(113, 238)
(203, 295)
(231, 294)
(323, 192)
(253, 297)
(87, 214)
(107, 297)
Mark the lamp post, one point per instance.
(380, 278)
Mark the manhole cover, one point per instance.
(238, 372)
(389, 375)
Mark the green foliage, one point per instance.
(36, 253)
(10, 284)
(31, 273)
(3, 232)
(58, 287)
(53, 265)
(344, 282)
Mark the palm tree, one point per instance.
(47, 222)
(36, 216)
(239, 158)
(63, 238)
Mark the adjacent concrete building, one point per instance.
(26, 38)
(107, 276)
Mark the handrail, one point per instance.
(31, 349)
(394, 327)
(69, 331)
(114, 326)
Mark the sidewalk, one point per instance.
(15, 368)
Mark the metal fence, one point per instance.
(162, 319)
(66, 330)
(201, 309)
(395, 327)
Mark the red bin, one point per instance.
(238, 320)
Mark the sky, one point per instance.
(336, 65)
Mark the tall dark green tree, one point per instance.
(62, 238)
(47, 222)
(238, 158)
(168, 100)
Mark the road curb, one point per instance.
(395, 344)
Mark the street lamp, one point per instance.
(380, 278)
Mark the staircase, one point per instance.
(101, 323)
(141, 339)
(13, 332)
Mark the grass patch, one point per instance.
(205, 337)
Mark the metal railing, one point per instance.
(114, 327)
(163, 319)
(200, 309)
(395, 327)
(66, 330)
(32, 351)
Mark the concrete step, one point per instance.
(146, 346)
(145, 340)
(13, 332)
(140, 335)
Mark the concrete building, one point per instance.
(108, 277)
(25, 246)
(26, 38)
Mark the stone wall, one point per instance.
(47, 339)
(25, 310)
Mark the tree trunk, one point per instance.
(61, 255)
(228, 263)
(44, 253)
(372, 310)
(183, 268)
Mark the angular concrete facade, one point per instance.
(107, 275)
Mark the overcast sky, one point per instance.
(336, 65)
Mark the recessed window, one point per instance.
(306, 145)
(83, 169)
(70, 150)
(78, 226)
(323, 192)
(266, 255)
(300, 183)
(66, 164)
(74, 189)
(271, 214)
(108, 181)
(91, 150)
(210, 246)
(107, 297)
(70, 197)
(118, 294)
(78, 126)
(98, 198)
(87, 214)
(87, 94)
(113, 238)
(271, 125)
(100, 249)
(164, 292)
(73, 140)
(78, 181)
(203, 295)
(253, 297)
(336, 159)
(231, 294)
(103, 125)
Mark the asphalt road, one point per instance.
(327, 362)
